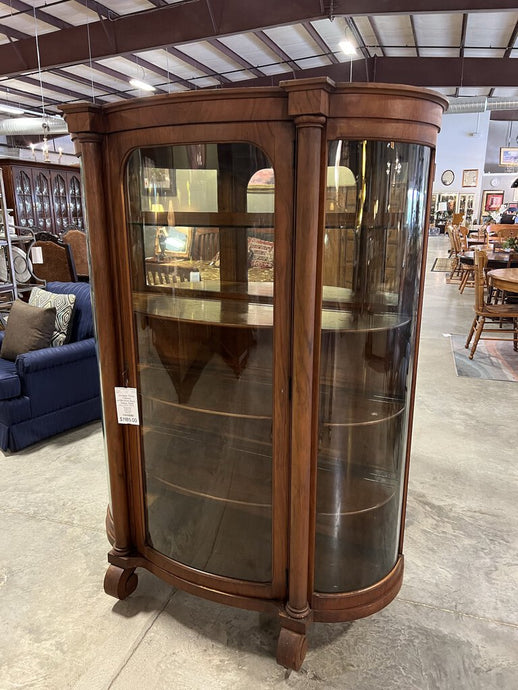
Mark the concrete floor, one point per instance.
(454, 625)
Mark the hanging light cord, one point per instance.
(90, 57)
(39, 62)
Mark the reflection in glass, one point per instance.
(202, 274)
(375, 212)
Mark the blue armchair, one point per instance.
(45, 392)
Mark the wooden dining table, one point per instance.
(494, 259)
(505, 279)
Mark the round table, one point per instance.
(505, 279)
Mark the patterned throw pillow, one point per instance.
(64, 305)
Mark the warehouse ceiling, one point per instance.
(52, 52)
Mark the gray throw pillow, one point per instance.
(64, 305)
(28, 328)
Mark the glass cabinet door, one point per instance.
(59, 198)
(42, 202)
(200, 223)
(372, 249)
(24, 197)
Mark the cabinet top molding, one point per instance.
(315, 96)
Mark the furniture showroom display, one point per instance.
(16, 275)
(257, 267)
(50, 390)
(43, 196)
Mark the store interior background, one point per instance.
(455, 622)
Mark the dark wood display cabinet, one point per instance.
(257, 267)
(44, 196)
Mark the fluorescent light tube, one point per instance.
(141, 85)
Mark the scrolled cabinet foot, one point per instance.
(291, 649)
(120, 582)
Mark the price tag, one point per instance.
(36, 255)
(127, 407)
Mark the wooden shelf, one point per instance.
(218, 467)
(221, 312)
(223, 529)
(361, 323)
(341, 493)
(357, 525)
(215, 395)
(231, 312)
(347, 408)
(210, 219)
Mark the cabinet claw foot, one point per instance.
(120, 582)
(291, 649)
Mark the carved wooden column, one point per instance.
(297, 615)
(118, 582)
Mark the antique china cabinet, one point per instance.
(44, 196)
(257, 273)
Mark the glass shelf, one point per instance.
(221, 312)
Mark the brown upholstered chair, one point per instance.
(76, 239)
(58, 262)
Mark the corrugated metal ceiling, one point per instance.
(45, 61)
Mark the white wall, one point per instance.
(461, 145)
(458, 150)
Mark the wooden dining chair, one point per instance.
(454, 252)
(463, 234)
(76, 239)
(503, 318)
(460, 272)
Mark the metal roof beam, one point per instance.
(429, 72)
(173, 25)
(414, 35)
(326, 50)
(197, 65)
(47, 86)
(277, 50)
(97, 85)
(351, 25)
(219, 45)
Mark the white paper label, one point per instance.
(127, 407)
(36, 255)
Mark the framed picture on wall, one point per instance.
(491, 200)
(508, 156)
(469, 178)
(451, 203)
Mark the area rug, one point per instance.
(494, 359)
(442, 265)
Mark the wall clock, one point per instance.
(447, 177)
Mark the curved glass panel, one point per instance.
(201, 234)
(375, 213)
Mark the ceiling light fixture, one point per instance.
(141, 85)
(347, 47)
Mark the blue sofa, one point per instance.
(48, 391)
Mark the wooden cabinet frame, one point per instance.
(291, 124)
